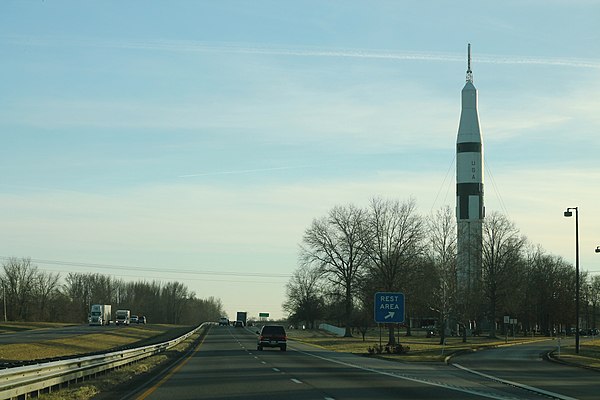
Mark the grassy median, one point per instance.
(424, 349)
(80, 344)
(13, 327)
(589, 353)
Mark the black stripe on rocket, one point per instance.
(465, 191)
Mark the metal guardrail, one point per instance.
(20, 382)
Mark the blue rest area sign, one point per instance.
(389, 307)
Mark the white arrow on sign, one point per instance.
(390, 315)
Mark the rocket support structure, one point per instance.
(470, 210)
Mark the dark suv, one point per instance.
(272, 336)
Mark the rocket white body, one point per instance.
(470, 209)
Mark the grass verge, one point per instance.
(115, 383)
(81, 344)
(422, 349)
(589, 354)
(12, 327)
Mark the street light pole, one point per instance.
(568, 213)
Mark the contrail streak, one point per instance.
(245, 48)
(242, 171)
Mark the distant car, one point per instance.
(224, 321)
(272, 336)
(238, 324)
(134, 319)
(142, 319)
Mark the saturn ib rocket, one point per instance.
(469, 189)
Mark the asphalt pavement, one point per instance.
(227, 365)
(526, 365)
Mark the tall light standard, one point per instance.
(594, 299)
(569, 213)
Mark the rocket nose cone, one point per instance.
(469, 96)
(469, 86)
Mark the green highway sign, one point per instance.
(263, 315)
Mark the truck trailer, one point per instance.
(100, 314)
(241, 316)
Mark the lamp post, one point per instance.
(569, 213)
(594, 300)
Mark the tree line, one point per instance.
(31, 294)
(351, 253)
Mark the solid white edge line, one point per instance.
(519, 385)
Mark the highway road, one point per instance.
(226, 365)
(525, 365)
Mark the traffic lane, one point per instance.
(223, 368)
(227, 365)
(347, 376)
(525, 365)
(337, 381)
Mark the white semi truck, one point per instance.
(100, 314)
(122, 317)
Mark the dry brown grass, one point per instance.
(11, 327)
(589, 354)
(120, 377)
(422, 349)
(79, 344)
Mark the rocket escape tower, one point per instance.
(470, 210)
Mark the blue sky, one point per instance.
(197, 140)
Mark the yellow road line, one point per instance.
(172, 372)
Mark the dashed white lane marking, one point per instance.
(263, 362)
(328, 398)
(296, 380)
(276, 370)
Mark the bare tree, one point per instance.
(304, 300)
(394, 240)
(201, 310)
(594, 298)
(334, 245)
(45, 291)
(441, 228)
(501, 255)
(19, 281)
(549, 286)
(77, 289)
(174, 296)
